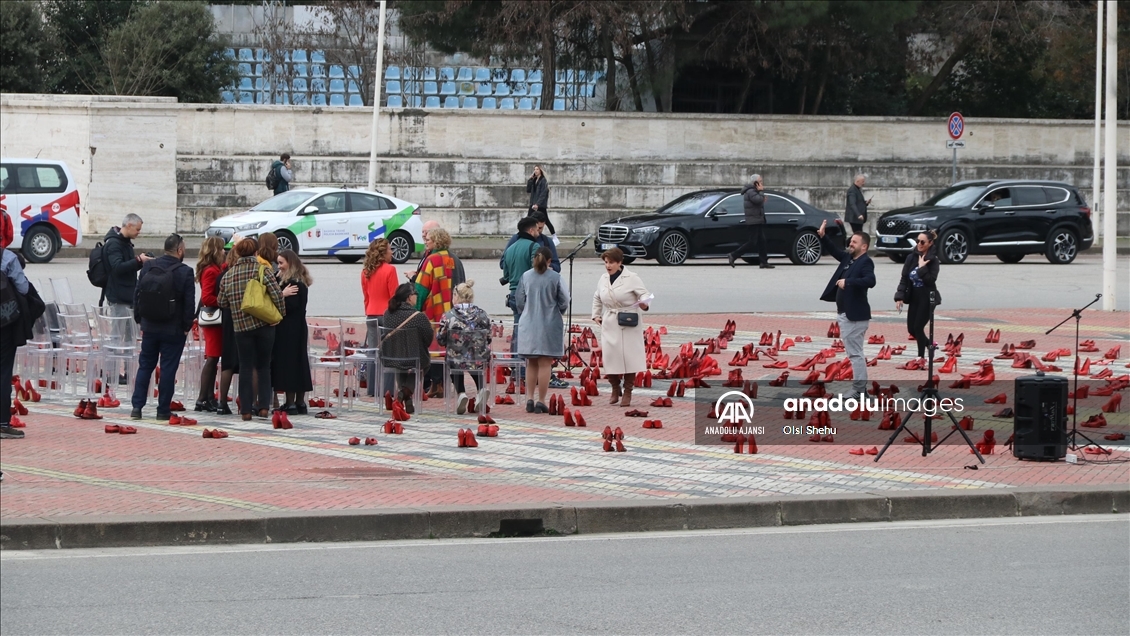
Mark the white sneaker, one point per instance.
(461, 407)
(482, 400)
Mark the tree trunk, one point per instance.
(963, 49)
(804, 78)
(823, 79)
(611, 99)
(653, 74)
(633, 82)
(744, 95)
(549, 65)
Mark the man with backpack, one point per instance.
(280, 175)
(516, 260)
(114, 266)
(165, 305)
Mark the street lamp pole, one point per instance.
(377, 98)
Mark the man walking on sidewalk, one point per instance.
(165, 304)
(856, 212)
(753, 202)
(854, 275)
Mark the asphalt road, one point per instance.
(713, 287)
(1049, 575)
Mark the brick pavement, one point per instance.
(70, 468)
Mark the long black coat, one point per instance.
(753, 204)
(407, 348)
(856, 210)
(290, 364)
(539, 192)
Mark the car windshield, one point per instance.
(694, 203)
(957, 196)
(285, 202)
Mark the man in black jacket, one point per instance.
(856, 212)
(753, 202)
(165, 305)
(122, 265)
(854, 275)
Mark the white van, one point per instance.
(41, 198)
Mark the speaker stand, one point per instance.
(1075, 434)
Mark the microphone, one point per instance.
(585, 240)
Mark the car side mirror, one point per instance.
(985, 205)
(310, 209)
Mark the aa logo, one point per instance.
(734, 408)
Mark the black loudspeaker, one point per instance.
(1040, 423)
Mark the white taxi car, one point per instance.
(330, 222)
(41, 198)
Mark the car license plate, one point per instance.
(888, 239)
(607, 246)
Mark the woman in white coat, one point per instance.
(621, 347)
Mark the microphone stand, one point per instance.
(1072, 441)
(570, 350)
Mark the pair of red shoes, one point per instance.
(742, 440)
(663, 402)
(392, 427)
(18, 408)
(324, 415)
(214, 433)
(556, 404)
(575, 419)
(485, 419)
(467, 439)
(874, 450)
(120, 429)
(280, 419)
(635, 413)
(501, 399)
(653, 423)
(487, 430)
(87, 410)
(317, 403)
(369, 441)
(108, 401)
(16, 422)
(180, 420)
(993, 336)
(398, 411)
(613, 439)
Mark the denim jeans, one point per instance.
(852, 333)
(164, 347)
(255, 350)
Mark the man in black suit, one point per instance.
(856, 212)
(848, 287)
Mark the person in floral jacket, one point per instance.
(465, 332)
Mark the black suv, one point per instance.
(1006, 218)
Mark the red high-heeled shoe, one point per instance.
(856, 451)
(580, 419)
(949, 366)
(1113, 405)
(1000, 398)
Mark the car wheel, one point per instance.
(898, 258)
(40, 245)
(287, 241)
(674, 248)
(806, 249)
(402, 246)
(955, 246)
(351, 258)
(1010, 258)
(1062, 248)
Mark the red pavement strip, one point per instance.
(70, 468)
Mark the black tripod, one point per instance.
(929, 392)
(1071, 437)
(571, 350)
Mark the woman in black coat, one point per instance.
(919, 280)
(538, 188)
(405, 338)
(290, 364)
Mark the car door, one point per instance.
(331, 223)
(10, 201)
(367, 216)
(1033, 218)
(782, 219)
(722, 228)
(992, 225)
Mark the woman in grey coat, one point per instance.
(542, 299)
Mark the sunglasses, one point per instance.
(922, 242)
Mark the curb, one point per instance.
(591, 518)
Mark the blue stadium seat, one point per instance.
(318, 57)
(559, 90)
(355, 100)
(337, 99)
(535, 89)
(429, 74)
(506, 103)
(502, 89)
(447, 88)
(229, 54)
(534, 76)
(392, 87)
(227, 97)
(317, 70)
(298, 99)
(318, 99)
(337, 86)
(299, 55)
(484, 88)
(415, 101)
(353, 71)
(518, 75)
(466, 88)
(451, 102)
(432, 102)
(489, 103)
(430, 88)
(246, 98)
(410, 73)
(525, 104)
(395, 101)
(282, 98)
(392, 73)
(336, 72)
(499, 75)
(243, 68)
(410, 87)
(245, 84)
(521, 89)
(464, 74)
(482, 74)
(353, 87)
(261, 84)
(300, 70)
(446, 74)
(470, 102)
(262, 97)
(559, 104)
(261, 55)
(298, 85)
(246, 55)
(258, 70)
(317, 85)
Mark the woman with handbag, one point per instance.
(209, 269)
(404, 345)
(916, 285)
(290, 364)
(619, 293)
(541, 299)
(252, 293)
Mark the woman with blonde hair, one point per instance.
(290, 364)
(542, 300)
(378, 284)
(209, 269)
(465, 332)
(434, 286)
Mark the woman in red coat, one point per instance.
(209, 269)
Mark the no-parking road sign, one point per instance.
(956, 125)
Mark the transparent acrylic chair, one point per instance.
(324, 346)
(390, 366)
(118, 349)
(505, 360)
(360, 356)
(76, 365)
(61, 289)
(35, 360)
(469, 361)
(191, 363)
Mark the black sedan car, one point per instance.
(711, 224)
(1009, 219)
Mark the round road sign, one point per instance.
(956, 125)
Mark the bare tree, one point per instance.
(352, 27)
(278, 37)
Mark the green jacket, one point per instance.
(518, 258)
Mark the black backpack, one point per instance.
(273, 178)
(96, 271)
(156, 296)
(9, 304)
